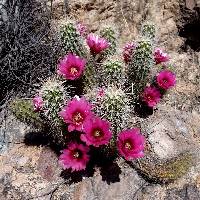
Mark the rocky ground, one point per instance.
(29, 170)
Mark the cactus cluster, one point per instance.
(102, 115)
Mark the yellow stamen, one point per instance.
(77, 118)
(97, 133)
(128, 145)
(76, 154)
(73, 71)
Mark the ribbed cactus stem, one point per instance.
(110, 35)
(139, 67)
(72, 42)
(148, 31)
(114, 106)
(54, 96)
(90, 74)
(23, 110)
(113, 73)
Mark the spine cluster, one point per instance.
(110, 35)
(139, 67)
(72, 40)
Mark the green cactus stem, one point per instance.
(139, 67)
(149, 31)
(23, 110)
(72, 42)
(165, 172)
(110, 35)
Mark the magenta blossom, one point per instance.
(97, 132)
(38, 103)
(151, 96)
(96, 43)
(128, 51)
(81, 28)
(71, 67)
(166, 79)
(160, 57)
(76, 113)
(75, 157)
(130, 144)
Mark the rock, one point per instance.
(47, 165)
(190, 4)
(24, 175)
(189, 192)
(12, 131)
(152, 192)
(33, 172)
(170, 132)
(95, 188)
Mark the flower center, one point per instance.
(73, 71)
(165, 81)
(77, 154)
(78, 118)
(128, 145)
(97, 133)
(149, 97)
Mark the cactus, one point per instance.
(112, 105)
(71, 39)
(149, 31)
(139, 67)
(107, 107)
(54, 96)
(165, 172)
(24, 111)
(113, 73)
(90, 75)
(110, 35)
(115, 107)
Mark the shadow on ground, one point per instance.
(106, 164)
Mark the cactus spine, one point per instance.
(71, 39)
(113, 73)
(149, 31)
(139, 67)
(110, 35)
(24, 111)
(54, 96)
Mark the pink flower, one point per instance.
(71, 67)
(81, 28)
(166, 79)
(75, 157)
(130, 144)
(159, 56)
(151, 96)
(97, 132)
(38, 103)
(128, 51)
(96, 43)
(76, 113)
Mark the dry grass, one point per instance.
(28, 49)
